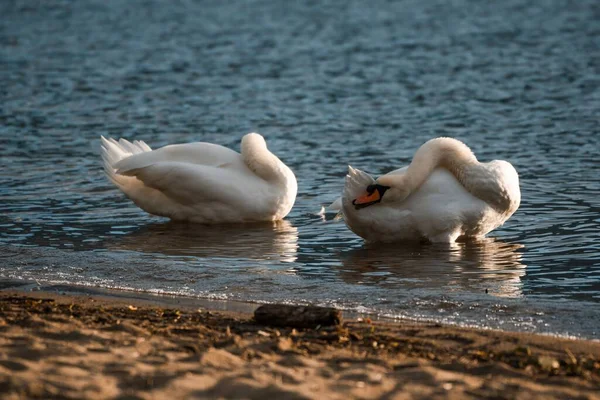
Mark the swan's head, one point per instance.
(254, 140)
(386, 190)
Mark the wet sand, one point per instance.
(90, 347)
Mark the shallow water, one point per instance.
(328, 84)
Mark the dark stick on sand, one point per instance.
(297, 316)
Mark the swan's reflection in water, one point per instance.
(484, 265)
(277, 241)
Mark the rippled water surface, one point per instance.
(328, 84)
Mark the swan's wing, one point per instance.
(200, 153)
(193, 184)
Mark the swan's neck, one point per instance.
(262, 162)
(448, 153)
(455, 156)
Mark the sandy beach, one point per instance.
(91, 347)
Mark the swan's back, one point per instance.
(199, 153)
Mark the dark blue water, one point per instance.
(328, 83)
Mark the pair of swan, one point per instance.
(444, 193)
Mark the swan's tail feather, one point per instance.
(114, 151)
(335, 206)
(136, 147)
(356, 183)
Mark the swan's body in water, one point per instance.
(203, 182)
(445, 193)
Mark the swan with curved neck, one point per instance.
(444, 193)
(203, 182)
(262, 162)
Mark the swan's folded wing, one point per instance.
(192, 184)
(193, 153)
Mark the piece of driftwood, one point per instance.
(297, 316)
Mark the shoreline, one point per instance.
(92, 346)
(223, 305)
(124, 295)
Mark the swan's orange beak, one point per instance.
(367, 198)
(372, 196)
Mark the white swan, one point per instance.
(203, 182)
(444, 193)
